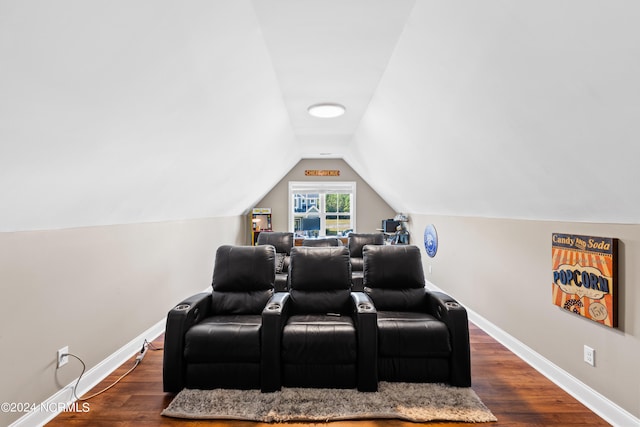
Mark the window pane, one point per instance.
(338, 202)
(306, 217)
(344, 203)
(302, 202)
(331, 202)
(338, 225)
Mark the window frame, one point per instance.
(322, 188)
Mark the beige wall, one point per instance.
(94, 289)
(501, 269)
(371, 209)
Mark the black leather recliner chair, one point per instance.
(322, 242)
(328, 333)
(423, 336)
(214, 339)
(283, 242)
(356, 243)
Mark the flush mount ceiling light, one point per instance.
(326, 110)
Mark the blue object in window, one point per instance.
(310, 224)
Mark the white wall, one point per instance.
(94, 289)
(501, 269)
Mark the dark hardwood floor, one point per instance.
(515, 393)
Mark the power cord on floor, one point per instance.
(145, 346)
(151, 346)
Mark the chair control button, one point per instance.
(183, 307)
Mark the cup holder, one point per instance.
(365, 306)
(274, 306)
(182, 307)
(450, 304)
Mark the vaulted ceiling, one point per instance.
(120, 112)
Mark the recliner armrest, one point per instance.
(363, 304)
(273, 319)
(454, 315)
(276, 305)
(366, 321)
(179, 319)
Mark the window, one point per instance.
(318, 209)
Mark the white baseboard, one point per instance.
(599, 404)
(64, 398)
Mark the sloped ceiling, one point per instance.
(120, 112)
(525, 109)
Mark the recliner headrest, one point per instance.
(320, 268)
(322, 242)
(392, 267)
(283, 241)
(244, 268)
(358, 240)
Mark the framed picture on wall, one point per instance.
(585, 276)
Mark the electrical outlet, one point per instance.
(589, 355)
(63, 356)
(429, 268)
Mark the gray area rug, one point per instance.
(405, 401)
